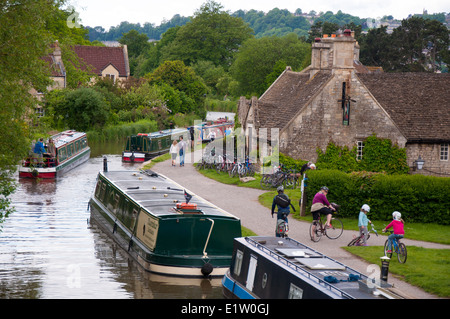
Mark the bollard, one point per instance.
(384, 268)
(105, 164)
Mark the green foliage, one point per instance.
(211, 35)
(81, 109)
(419, 198)
(379, 155)
(257, 59)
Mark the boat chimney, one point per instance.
(105, 164)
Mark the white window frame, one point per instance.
(443, 154)
(359, 150)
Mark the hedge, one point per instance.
(423, 199)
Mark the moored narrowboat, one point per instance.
(213, 129)
(63, 152)
(283, 268)
(165, 228)
(144, 146)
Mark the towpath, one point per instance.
(243, 203)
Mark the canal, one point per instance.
(49, 249)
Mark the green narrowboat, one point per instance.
(144, 146)
(165, 228)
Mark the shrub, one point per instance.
(422, 199)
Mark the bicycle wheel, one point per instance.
(266, 181)
(315, 231)
(336, 229)
(386, 249)
(402, 253)
(354, 241)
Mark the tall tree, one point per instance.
(24, 40)
(212, 35)
(257, 59)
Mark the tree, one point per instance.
(24, 40)
(182, 78)
(212, 35)
(82, 109)
(257, 58)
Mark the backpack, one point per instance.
(283, 201)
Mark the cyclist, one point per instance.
(363, 222)
(282, 212)
(320, 205)
(397, 224)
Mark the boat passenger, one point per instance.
(39, 151)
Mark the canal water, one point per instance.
(50, 250)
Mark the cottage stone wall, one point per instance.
(320, 121)
(430, 153)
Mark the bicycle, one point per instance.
(318, 229)
(358, 240)
(397, 247)
(282, 227)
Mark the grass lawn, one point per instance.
(426, 268)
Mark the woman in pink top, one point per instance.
(397, 225)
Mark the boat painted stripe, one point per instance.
(235, 288)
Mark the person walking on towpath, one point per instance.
(181, 150)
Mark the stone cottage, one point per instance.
(338, 99)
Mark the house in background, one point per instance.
(338, 99)
(106, 62)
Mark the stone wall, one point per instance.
(320, 121)
(430, 153)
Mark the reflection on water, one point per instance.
(49, 249)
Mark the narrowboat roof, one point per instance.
(158, 194)
(65, 137)
(311, 264)
(164, 132)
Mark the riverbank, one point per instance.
(244, 203)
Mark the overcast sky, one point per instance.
(107, 13)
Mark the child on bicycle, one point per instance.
(283, 210)
(397, 224)
(363, 222)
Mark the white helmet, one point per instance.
(396, 215)
(365, 207)
(312, 166)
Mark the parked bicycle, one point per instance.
(279, 177)
(334, 231)
(358, 240)
(398, 247)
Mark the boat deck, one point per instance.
(158, 194)
(320, 268)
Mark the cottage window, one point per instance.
(359, 150)
(444, 152)
(111, 76)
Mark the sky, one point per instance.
(107, 13)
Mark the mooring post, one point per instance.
(384, 268)
(105, 164)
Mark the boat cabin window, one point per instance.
(295, 292)
(97, 189)
(238, 262)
